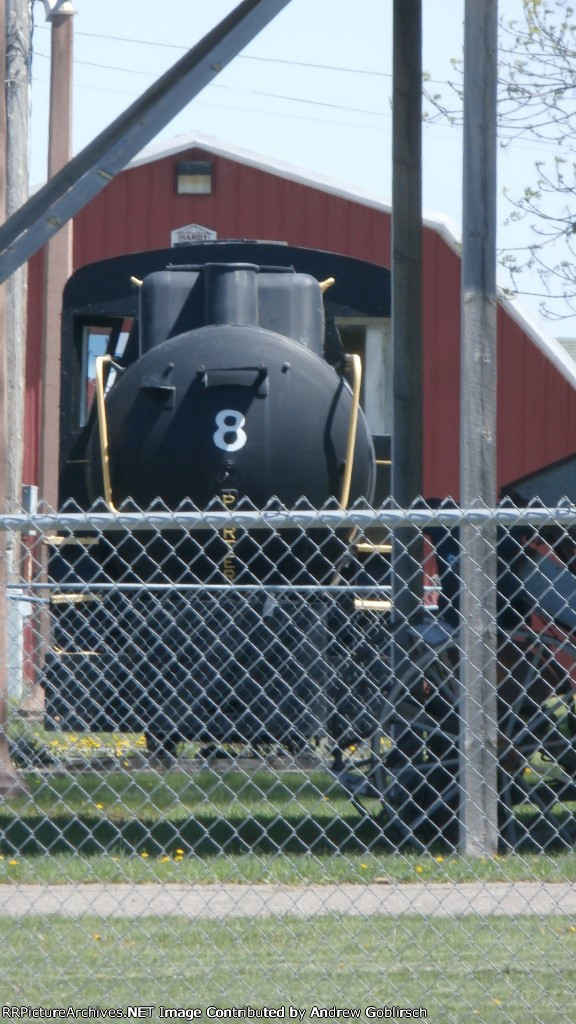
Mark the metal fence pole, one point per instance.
(479, 808)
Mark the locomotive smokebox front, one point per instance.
(215, 381)
(231, 393)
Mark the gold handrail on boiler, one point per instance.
(325, 285)
(354, 363)
(101, 362)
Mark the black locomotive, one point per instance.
(214, 376)
(207, 376)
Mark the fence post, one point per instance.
(479, 766)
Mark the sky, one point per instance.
(313, 89)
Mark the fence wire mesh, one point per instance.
(243, 781)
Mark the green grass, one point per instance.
(228, 825)
(220, 826)
(468, 970)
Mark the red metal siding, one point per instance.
(139, 209)
(441, 339)
(536, 406)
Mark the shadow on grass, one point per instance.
(203, 836)
(135, 813)
(128, 813)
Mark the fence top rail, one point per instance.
(21, 590)
(563, 514)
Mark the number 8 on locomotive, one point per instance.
(230, 423)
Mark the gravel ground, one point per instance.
(222, 901)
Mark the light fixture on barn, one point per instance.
(194, 177)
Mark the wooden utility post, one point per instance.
(406, 262)
(58, 264)
(18, 47)
(407, 299)
(479, 765)
(10, 783)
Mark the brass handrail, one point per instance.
(354, 363)
(101, 362)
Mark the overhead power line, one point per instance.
(250, 92)
(243, 56)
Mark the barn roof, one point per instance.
(442, 225)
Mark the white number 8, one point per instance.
(230, 423)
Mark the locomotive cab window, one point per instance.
(371, 339)
(100, 340)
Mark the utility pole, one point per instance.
(10, 783)
(58, 263)
(478, 452)
(17, 78)
(407, 299)
(18, 43)
(407, 572)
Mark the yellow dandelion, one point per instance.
(100, 807)
(439, 860)
(178, 858)
(181, 852)
(364, 866)
(164, 859)
(12, 862)
(419, 869)
(144, 854)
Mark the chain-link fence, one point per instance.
(290, 764)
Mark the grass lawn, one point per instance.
(469, 970)
(220, 826)
(230, 825)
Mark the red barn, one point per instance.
(198, 183)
